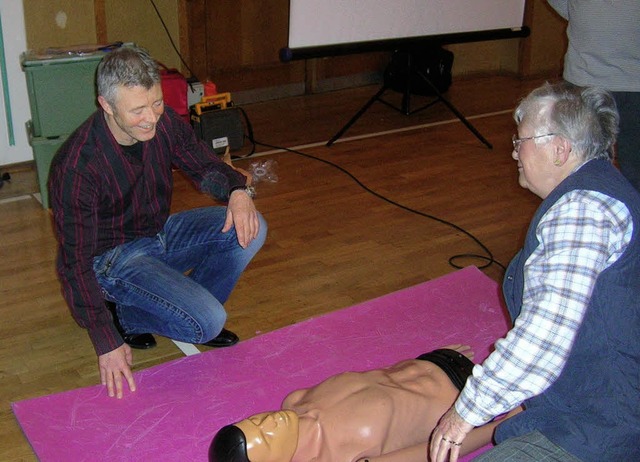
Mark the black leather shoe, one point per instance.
(225, 338)
(137, 341)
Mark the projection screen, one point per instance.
(326, 27)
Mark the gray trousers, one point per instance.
(532, 447)
(628, 153)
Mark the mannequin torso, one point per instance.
(385, 410)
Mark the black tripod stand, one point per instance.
(411, 72)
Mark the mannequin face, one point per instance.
(271, 436)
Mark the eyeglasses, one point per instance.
(518, 141)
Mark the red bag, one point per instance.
(174, 90)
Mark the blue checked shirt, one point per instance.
(581, 235)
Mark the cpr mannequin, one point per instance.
(382, 415)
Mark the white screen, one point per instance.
(315, 23)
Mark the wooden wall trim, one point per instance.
(196, 37)
(525, 48)
(101, 20)
(183, 31)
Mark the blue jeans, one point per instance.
(176, 283)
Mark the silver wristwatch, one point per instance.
(250, 190)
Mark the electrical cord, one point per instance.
(166, 29)
(249, 136)
(488, 258)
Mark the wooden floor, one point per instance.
(331, 242)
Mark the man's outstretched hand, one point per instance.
(113, 367)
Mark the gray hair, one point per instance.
(127, 66)
(586, 116)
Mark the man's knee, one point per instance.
(262, 232)
(211, 324)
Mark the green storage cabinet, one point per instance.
(43, 151)
(62, 91)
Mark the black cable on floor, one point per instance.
(488, 258)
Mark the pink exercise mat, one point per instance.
(181, 404)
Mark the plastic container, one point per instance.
(62, 90)
(43, 151)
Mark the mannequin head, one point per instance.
(265, 437)
(229, 445)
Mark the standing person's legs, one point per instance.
(629, 137)
(532, 447)
(170, 284)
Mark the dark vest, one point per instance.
(593, 408)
